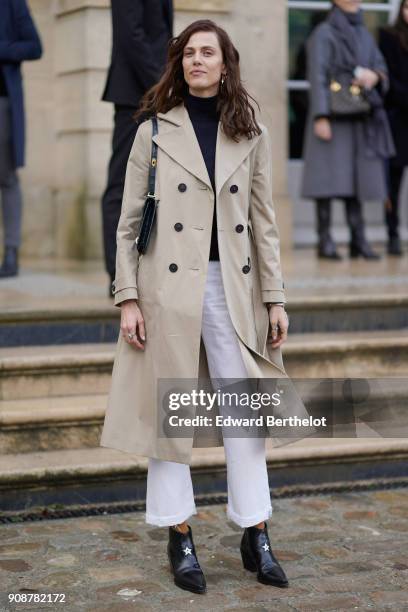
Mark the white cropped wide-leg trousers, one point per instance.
(169, 496)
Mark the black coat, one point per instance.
(141, 30)
(19, 41)
(397, 99)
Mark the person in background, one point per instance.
(394, 46)
(345, 158)
(141, 30)
(19, 41)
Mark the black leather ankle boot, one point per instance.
(257, 556)
(184, 564)
(10, 262)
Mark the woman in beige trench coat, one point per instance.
(167, 296)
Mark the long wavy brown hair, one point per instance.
(400, 27)
(237, 115)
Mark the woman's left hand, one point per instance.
(279, 323)
(367, 78)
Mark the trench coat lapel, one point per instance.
(229, 156)
(181, 144)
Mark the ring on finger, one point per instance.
(131, 336)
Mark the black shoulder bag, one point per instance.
(347, 101)
(151, 203)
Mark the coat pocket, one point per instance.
(255, 321)
(250, 252)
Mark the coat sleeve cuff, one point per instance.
(129, 293)
(273, 295)
(272, 284)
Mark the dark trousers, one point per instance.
(124, 133)
(10, 191)
(354, 217)
(395, 174)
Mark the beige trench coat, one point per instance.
(171, 301)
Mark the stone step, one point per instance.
(100, 475)
(363, 354)
(85, 369)
(348, 312)
(316, 313)
(51, 423)
(75, 422)
(36, 326)
(55, 371)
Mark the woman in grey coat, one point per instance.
(345, 158)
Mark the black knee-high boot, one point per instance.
(326, 246)
(391, 214)
(359, 247)
(9, 266)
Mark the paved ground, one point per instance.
(341, 552)
(70, 283)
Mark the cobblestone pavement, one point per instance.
(346, 551)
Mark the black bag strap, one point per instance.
(150, 205)
(151, 186)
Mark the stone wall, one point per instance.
(69, 128)
(38, 176)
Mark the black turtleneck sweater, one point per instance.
(204, 117)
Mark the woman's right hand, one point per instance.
(322, 128)
(132, 323)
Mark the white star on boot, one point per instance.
(187, 550)
(265, 547)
